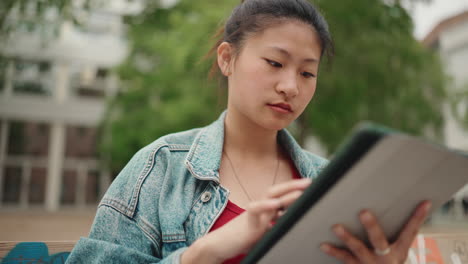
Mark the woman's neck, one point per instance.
(247, 140)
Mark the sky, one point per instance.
(427, 16)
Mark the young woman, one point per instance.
(207, 195)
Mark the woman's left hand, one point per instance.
(382, 252)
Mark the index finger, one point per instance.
(281, 189)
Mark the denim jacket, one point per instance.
(168, 196)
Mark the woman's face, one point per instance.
(274, 76)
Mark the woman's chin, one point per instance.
(276, 125)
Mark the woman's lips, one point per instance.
(281, 107)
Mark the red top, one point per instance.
(232, 210)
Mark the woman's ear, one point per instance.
(225, 58)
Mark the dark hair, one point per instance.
(254, 16)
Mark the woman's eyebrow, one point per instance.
(287, 54)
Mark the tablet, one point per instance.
(385, 171)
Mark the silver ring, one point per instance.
(382, 252)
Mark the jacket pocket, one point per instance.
(173, 240)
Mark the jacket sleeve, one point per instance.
(115, 238)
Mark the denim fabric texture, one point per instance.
(168, 196)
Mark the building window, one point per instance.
(37, 186)
(27, 138)
(44, 67)
(80, 187)
(92, 187)
(89, 81)
(11, 185)
(32, 77)
(101, 73)
(81, 142)
(25, 168)
(1, 130)
(69, 184)
(3, 72)
(16, 140)
(25, 164)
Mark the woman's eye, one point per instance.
(308, 74)
(274, 63)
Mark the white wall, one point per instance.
(454, 52)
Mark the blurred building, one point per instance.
(450, 39)
(54, 80)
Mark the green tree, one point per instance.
(164, 80)
(380, 73)
(35, 15)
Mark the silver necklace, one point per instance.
(238, 180)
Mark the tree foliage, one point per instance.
(164, 80)
(380, 73)
(34, 15)
(43, 17)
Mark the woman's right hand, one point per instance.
(240, 234)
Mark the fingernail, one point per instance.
(325, 248)
(306, 180)
(366, 216)
(427, 207)
(339, 230)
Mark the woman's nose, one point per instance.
(288, 85)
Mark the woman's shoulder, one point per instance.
(150, 161)
(159, 148)
(183, 138)
(176, 141)
(166, 148)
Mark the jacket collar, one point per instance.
(204, 157)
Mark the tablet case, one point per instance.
(386, 172)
